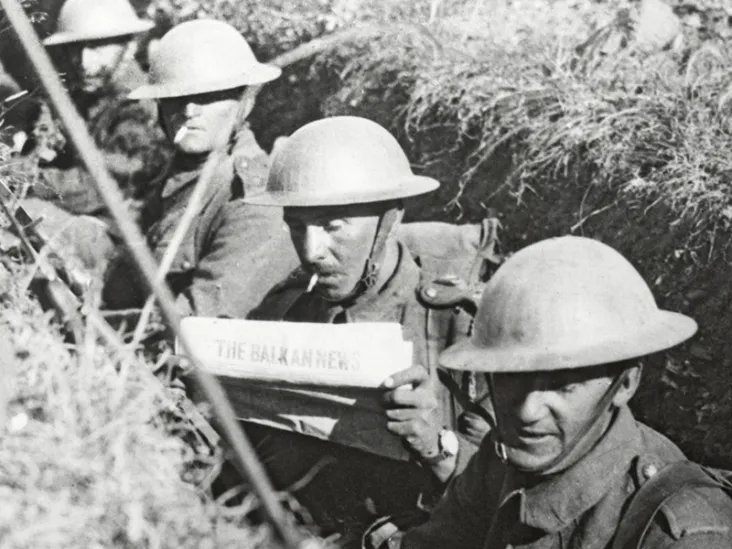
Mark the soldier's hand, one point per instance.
(412, 410)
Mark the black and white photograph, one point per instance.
(365, 274)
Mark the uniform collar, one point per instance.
(387, 304)
(559, 500)
(185, 170)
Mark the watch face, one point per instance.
(449, 443)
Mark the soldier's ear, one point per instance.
(629, 386)
(247, 100)
(399, 216)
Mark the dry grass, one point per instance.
(548, 82)
(88, 457)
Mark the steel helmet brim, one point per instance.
(403, 187)
(665, 330)
(134, 27)
(259, 74)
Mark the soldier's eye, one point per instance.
(560, 382)
(334, 225)
(295, 225)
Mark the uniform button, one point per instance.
(649, 471)
(430, 292)
(186, 265)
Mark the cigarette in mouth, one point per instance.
(15, 96)
(312, 283)
(180, 134)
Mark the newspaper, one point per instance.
(300, 353)
(319, 380)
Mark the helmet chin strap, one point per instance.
(370, 275)
(588, 435)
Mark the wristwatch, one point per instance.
(447, 446)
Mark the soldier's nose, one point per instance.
(192, 109)
(313, 245)
(529, 407)
(87, 59)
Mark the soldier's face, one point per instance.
(95, 62)
(334, 242)
(197, 123)
(540, 415)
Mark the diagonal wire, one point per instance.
(195, 201)
(309, 49)
(246, 459)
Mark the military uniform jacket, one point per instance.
(347, 487)
(231, 252)
(490, 505)
(128, 134)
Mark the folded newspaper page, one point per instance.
(314, 379)
(333, 355)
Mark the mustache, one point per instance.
(319, 269)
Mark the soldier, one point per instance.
(559, 332)
(93, 39)
(199, 76)
(342, 181)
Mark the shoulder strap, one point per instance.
(654, 493)
(437, 328)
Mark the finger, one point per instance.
(402, 428)
(412, 399)
(416, 375)
(401, 414)
(421, 398)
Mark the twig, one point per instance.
(190, 213)
(589, 215)
(215, 158)
(582, 202)
(246, 459)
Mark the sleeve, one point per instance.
(249, 252)
(123, 286)
(135, 152)
(694, 518)
(459, 521)
(466, 450)
(703, 540)
(71, 188)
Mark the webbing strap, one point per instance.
(584, 437)
(433, 338)
(463, 399)
(370, 275)
(661, 487)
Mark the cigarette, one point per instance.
(180, 134)
(15, 96)
(312, 283)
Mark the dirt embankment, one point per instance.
(679, 244)
(565, 117)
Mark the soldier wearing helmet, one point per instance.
(341, 182)
(93, 45)
(200, 74)
(559, 332)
